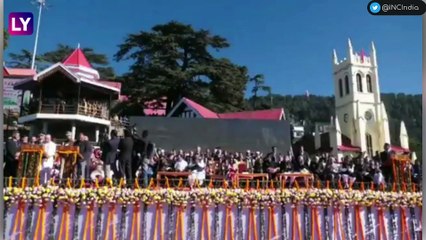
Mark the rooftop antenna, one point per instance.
(41, 5)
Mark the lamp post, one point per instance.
(41, 4)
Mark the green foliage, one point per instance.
(5, 38)
(312, 109)
(259, 85)
(173, 60)
(22, 59)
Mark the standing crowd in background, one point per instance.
(133, 156)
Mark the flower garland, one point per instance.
(254, 198)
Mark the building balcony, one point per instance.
(88, 111)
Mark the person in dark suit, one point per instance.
(85, 155)
(12, 156)
(109, 154)
(125, 156)
(302, 160)
(136, 154)
(386, 162)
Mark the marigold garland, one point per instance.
(206, 196)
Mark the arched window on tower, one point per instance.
(359, 82)
(340, 87)
(369, 84)
(347, 85)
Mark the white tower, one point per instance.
(361, 114)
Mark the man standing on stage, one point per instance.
(125, 156)
(85, 155)
(49, 148)
(109, 154)
(12, 156)
(386, 162)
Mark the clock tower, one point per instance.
(362, 117)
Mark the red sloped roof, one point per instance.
(77, 58)
(111, 83)
(18, 72)
(270, 114)
(399, 149)
(203, 111)
(123, 98)
(348, 148)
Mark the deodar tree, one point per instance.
(174, 60)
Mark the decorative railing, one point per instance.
(92, 109)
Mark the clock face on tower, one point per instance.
(345, 118)
(368, 115)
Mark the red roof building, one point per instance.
(187, 108)
(69, 96)
(18, 72)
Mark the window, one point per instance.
(347, 85)
(341, 87)
(359, 82)
(369, 84)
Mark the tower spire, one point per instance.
(373, 48)
(350, 44)
(335, 60)
(350, 51)
(78, 45)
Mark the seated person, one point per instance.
(198, 172)
(346, 172)
(181, 164)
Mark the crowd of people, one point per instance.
(133, 156)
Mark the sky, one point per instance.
(290, 42)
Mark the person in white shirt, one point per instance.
(49, 148)
(198, 171)
(181, 164)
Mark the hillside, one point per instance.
(319, 109)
